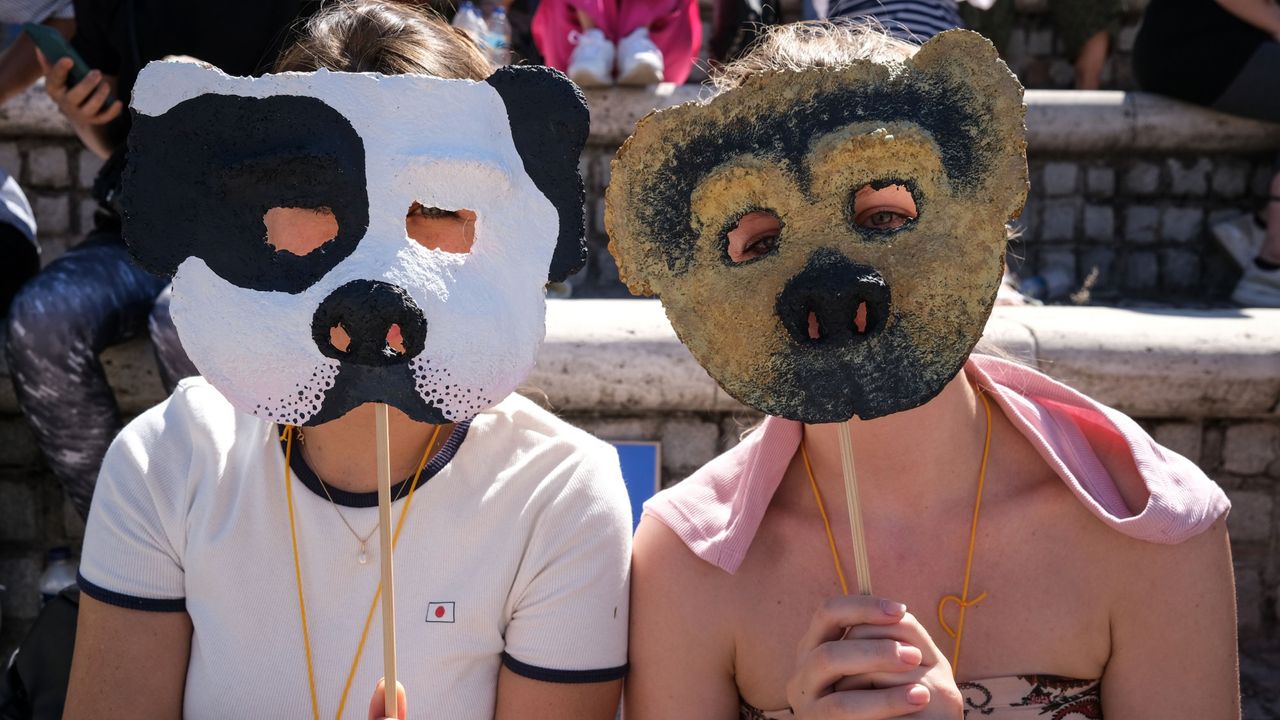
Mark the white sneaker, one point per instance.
(1258, 288)
(639, 60)
(1241, 237)
(591, 64)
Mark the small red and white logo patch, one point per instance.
(440, 612)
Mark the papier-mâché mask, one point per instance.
(301, 335)
(835, 318)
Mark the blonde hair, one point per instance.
(384, 36)
(815, 44)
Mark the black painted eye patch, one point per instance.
(203, 175)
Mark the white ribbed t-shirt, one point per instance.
(516, 551)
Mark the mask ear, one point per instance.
(549, 124)
(966, 59)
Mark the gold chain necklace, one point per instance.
(363, 557)
(297, 574)
(962, 600)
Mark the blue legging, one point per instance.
(87, 300)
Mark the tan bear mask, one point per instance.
(836, 319)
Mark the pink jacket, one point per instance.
(717, 510)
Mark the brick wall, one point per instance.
(1126, 227)
(57, 175)
(1137, 227)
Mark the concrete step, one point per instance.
(607, 356)
(1057, 121)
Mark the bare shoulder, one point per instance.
(681, 649)
(1173, 625)
(664, 566)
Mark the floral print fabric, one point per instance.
(1026, 696)
(1006, 698)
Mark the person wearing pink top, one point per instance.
(635, 42)
(1034, 553)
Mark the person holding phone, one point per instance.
(94, 296)
(19, 68)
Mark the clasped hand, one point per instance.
(866, 658)
(378, 704)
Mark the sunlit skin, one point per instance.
(301, 231)
(777, 631)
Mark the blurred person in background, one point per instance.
(1224, 55)
(19, 69)
(94, 296)
(911, 20)
(649, 41)
(1085, 29)
(18, 65)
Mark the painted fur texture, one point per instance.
(440, 335)
(947, 124)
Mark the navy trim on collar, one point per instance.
(345, 498)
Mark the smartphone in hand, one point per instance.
(55, 47)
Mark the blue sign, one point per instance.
(642, 471)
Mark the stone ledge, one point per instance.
(33, 113)
(1070, 121)
(621, 356)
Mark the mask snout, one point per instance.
(371, 323)
(833, 301)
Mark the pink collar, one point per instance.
(718, 509)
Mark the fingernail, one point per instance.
(890, 607)
(910, 654)
(918, 695)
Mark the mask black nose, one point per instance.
(369, 323)
(833, 301)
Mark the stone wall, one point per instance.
(1205, 383)
(1133, 228)
(1124, 188)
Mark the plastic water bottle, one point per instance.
(498, 38)
(59, 573)
(471, 21)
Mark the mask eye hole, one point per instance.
(753, 236)
(451, 231)
(299, 231)
(883, 207)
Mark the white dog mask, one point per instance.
(440, 335)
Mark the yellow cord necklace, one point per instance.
(288, 435)
(962, 600)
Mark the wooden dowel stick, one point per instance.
(384, 537)
(855, 509)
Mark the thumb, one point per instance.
(378, 705)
